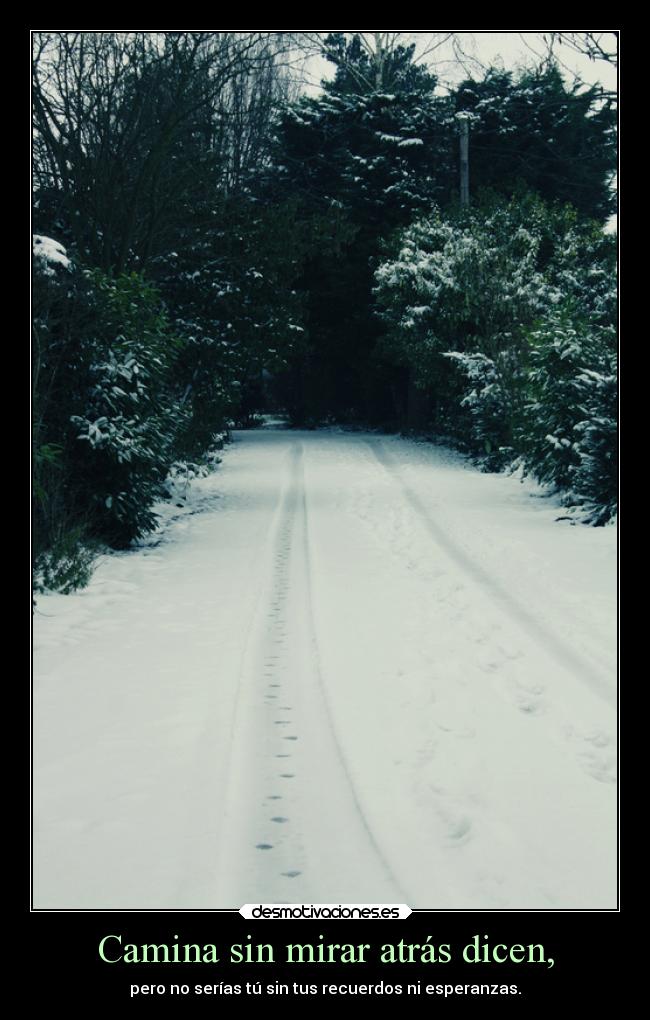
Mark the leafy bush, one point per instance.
(125, 435)
(107, 410)
(507, 317)
(596, 481)
(67, 565)
(568, 429)
(491, 400)
(456, 297)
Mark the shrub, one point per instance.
(107, 412)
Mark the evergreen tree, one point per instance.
(387, 67)
(531, 131)
(568, 430)
(233, 300)
(373, 148)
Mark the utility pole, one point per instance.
(464, 157)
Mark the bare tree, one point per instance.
(128, 124)
(379, 47)
(595, 45)
(246, 107)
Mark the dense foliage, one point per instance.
(177, 289)
(380, 145)
(210, 244)
(506, 317)
(532, 128)
(106, 405)
(375, 158)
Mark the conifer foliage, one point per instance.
(532, 129)
(206, 239)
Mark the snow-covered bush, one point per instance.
(67, 565)
(507, 319)
(107, 412)
(182, 473)
(126, 433)
(492, 400)
(456, 298)
(596, 479)
(568, 432)
(49, 254)
(547, 435)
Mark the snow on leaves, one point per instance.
(510, 316)
(49, 253)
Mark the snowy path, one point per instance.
(366, 672)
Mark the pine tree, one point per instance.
(374, 150)
(532, 131)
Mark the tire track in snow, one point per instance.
(294, 829)
(366, 834)
(551, 644)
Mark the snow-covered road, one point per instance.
(365, 672)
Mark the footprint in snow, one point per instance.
(599, 763)
(527, 706)
(603, 772)
(598, 738)
(528, 698)
(460, 831)
(490, 666)
(510, 653)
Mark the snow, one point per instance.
(365, 671)
(50, 252)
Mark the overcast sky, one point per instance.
(516, 48)
(511, 49)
